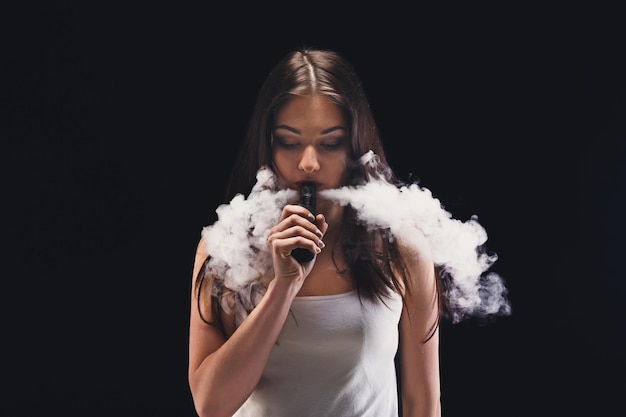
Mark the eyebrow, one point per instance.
(324, 132)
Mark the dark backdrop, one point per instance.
(119, 122)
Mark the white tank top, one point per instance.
(334, 358)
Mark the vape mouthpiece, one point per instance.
(307, 196)
(307, 199)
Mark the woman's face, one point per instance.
(310, 142)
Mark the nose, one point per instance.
(309, 162)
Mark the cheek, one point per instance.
(281, 164)
(337, 169)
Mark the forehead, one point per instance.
(310, 110)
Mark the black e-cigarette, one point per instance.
(307, 199)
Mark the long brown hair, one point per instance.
(372, 257)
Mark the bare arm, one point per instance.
(419, 359)
(222, 371)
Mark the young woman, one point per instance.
(348, 333)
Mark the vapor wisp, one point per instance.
(237, 241)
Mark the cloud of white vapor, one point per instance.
(237, 240)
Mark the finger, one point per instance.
(302, 234)
(284, 246)
(307, 224)
(320, 221)
(299, 210)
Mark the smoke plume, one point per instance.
(237, 241)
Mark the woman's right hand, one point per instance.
(295, 230)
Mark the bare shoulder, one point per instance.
(201, 249)
(201, 255)
(416, 253)
(414, 245)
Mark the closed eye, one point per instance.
(285, 144)
(333, 145)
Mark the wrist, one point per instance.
(283, 287)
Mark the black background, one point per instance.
(118, 124)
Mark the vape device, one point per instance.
(307, 199)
